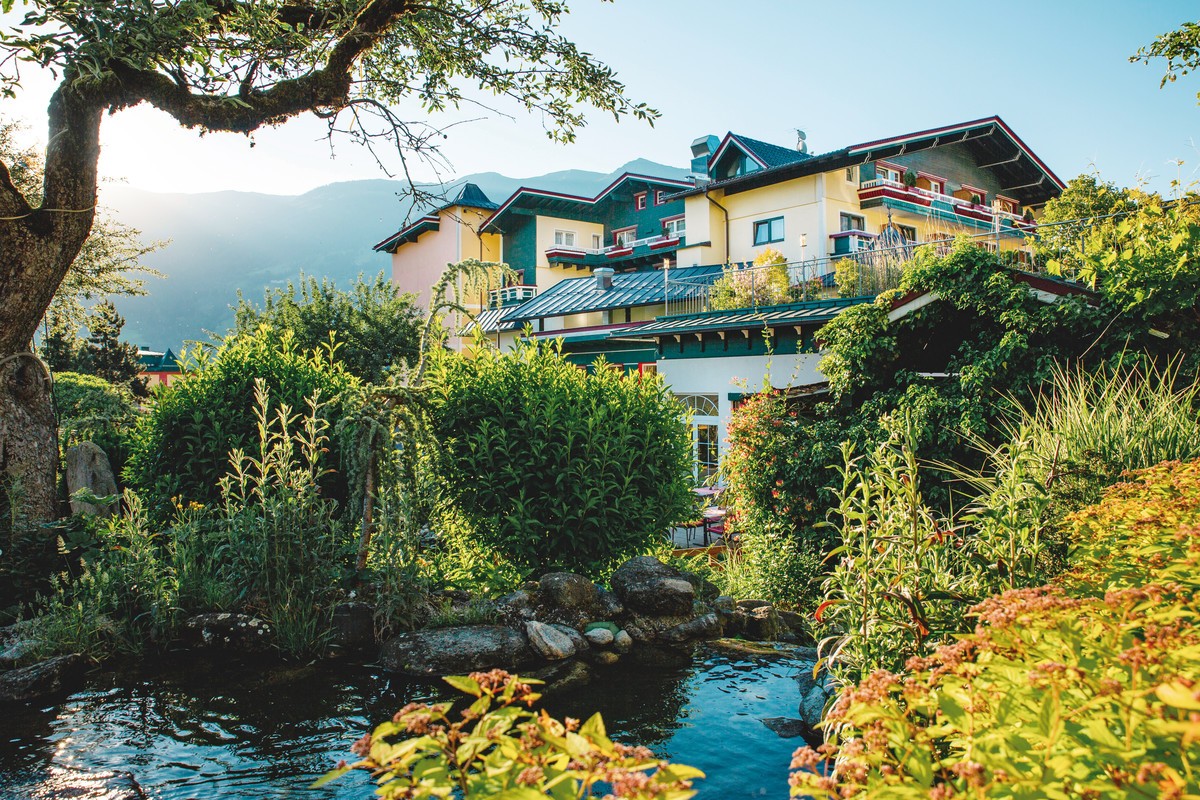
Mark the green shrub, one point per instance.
(182, 447)
(551, 467)
(91, 409)
(1082, 689)
(766, 283)
(500, 750)
(272, 546)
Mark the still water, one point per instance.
(206, 731)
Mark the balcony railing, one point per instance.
(860, 273)
(599, 256)
(510, 295)
(985, 213)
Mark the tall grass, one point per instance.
(1094, 424)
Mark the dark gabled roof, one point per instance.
(629, 289)
(559, 202)
(809, 313)
(469, 196)
(151, 361)
(766, 154)
(1021, 174)
(409, 233)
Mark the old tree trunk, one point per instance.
(37, 246)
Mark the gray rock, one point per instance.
(734, 623)
(812, 706)
(762, 623)
(353, 626)
(786, 727)
(807, 653)
(608, 605)
(567, 590)
(750, 605)
(622, 642)
(600, 636)
(577, 639)
(548, 642)
(703, 627)
(794, 622)
(68, 783)
(237, 632)
(515, 607)
(88, 468)
(804, 679)
(16, 642)
(605, 658)
(52, 676)
(723, 603)
(649, 586)
(454, 651)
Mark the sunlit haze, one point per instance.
(1058, 73)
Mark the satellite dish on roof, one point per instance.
(801, 143)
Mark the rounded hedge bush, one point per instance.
(181, 448)
(554, 467)
(91, 409)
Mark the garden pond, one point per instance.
(194, 729)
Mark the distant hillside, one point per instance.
(225, 241)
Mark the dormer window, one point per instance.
(886, 172)
(660, 197)
(639, 201)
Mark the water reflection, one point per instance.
(208, 730)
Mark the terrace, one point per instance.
(961, 206)
(626, 255)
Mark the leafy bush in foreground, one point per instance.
(182, 448)
(549, 466)
(498, 750)
(1083, 689)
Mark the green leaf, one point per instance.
(333, 774)
(464, 684)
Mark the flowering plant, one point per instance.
(497, 749)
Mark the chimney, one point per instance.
(702, 148)
(604, 276)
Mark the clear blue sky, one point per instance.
(1057, 72)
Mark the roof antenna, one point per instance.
(801, 144)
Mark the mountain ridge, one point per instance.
(228, 241)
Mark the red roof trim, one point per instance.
(962, 126)
(732, 137)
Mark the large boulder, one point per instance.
(549, 642)
(16, 642)
(812, 706)
(515, 607)
(762, 623)
(88, 468)
(706, 626)
(454, 651)
(649, 586)
(567, 590)
(238, 633)
(52, 676)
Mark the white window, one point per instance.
(639, 201)
(852, 222)
(660, 197)
(564, 238)
(705, 439)
(935, 187)
(624, 237)
(596, 239)
(674, 228)
(850, 173)
(768, 231)
(884, 172)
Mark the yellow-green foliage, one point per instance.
(500, 750)
(765, 283)
(1083, 689)
(845, 275)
